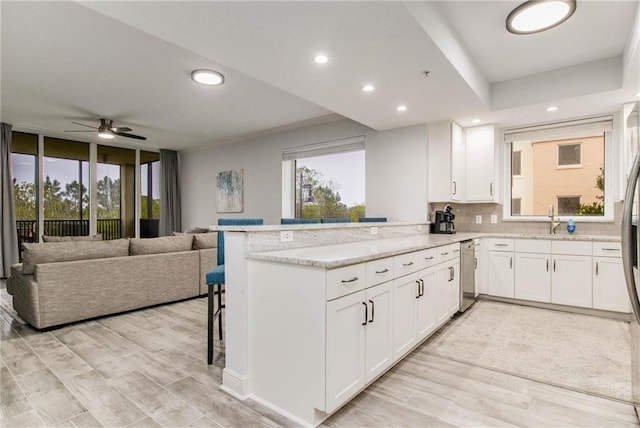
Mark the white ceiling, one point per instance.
(130, 61)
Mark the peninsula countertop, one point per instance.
(338, 255)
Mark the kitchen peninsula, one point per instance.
(310, 322)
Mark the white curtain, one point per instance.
(9, 251)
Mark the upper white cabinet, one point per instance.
(461, 163)
(479, 164)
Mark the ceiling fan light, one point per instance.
(535, 16)
(106, 134)
(207, 77)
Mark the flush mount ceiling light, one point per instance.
(535, 16)
(368, 88)
(207, 77)
(552, 108)
(321, 59)
(476, 121)
(401, 108)
(637, 95)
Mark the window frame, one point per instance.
(611, 186)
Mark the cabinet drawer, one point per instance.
(345, 280)
(500, 244)
(533, 246)
(427, 258)
(571, 248)
(607, 249)
(405, 264)
(447, 252)
(379, 271)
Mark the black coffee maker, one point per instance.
(443, 222)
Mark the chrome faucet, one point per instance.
(553, 224)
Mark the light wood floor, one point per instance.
(148, 369)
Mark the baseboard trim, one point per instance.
(236, 384)
(564, 308)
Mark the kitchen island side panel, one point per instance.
(287, 327)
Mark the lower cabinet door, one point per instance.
(347, 318)
(533, 277)
(427, 302)
(500, 273)
(443, 278)
(571, 281)
(378, 340)
(609, 287)
(453, 287)
(406, 291)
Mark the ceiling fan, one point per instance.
(107, 131)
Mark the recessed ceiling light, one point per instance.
(207, 77)
(637, 95)
(401, 108)
(321, 59)
(476, 121)
(368, 88)
(534, 16)
(552, 108)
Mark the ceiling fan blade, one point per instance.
(122, 129)
(82, 124)
(124, 134)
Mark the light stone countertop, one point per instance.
(311, 226)
(338, 255)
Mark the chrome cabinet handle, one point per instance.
(383, 271)
(510, 262)
(547, 265)
(491, 189)
(596, 268)
(455, 188)
(354, 279)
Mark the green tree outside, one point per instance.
(326, 198)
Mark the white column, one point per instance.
(236, 377)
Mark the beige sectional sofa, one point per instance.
(63, 282)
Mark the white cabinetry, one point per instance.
(479, 170)
(500, 267)
(532, 270)
(458, 162)
(609, 287)
(447, 282)
(463, 158)
(406, 293)
(571, 277)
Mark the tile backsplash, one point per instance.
(465, 221)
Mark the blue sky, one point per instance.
(347, 169)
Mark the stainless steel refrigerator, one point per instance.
(630, 249)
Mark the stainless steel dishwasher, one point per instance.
(467, 277)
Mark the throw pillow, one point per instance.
(203, 241)
(52, 252)
(164, 244)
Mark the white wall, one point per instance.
(396, 172)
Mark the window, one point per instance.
(66, 184)
(24, 160)
(568, 205)
(552, 164)
(149, 194)
(516, 163)
(515, 206)
(115, 192)
(569, 154)
(325, 180)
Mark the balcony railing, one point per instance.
(27, 229)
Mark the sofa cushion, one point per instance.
(202, 241)
(51, 252)
(48, 238)
(164, 244)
